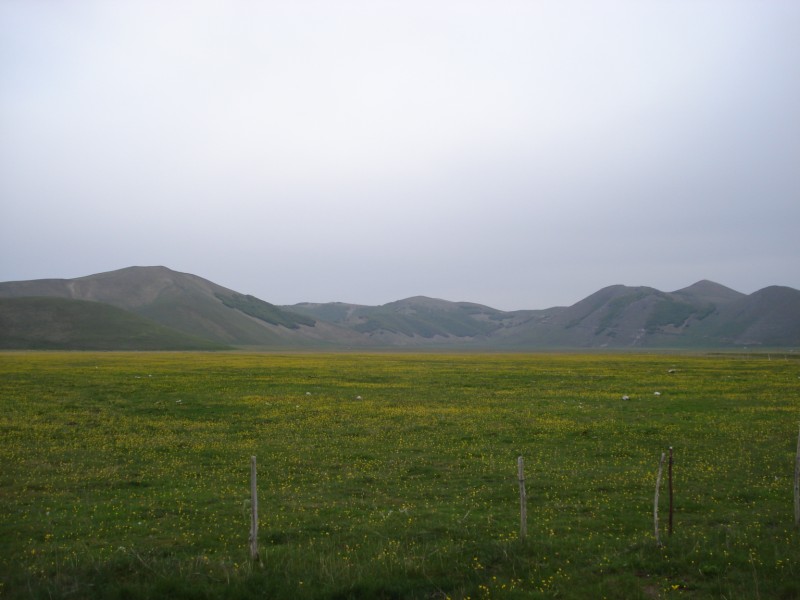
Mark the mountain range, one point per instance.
(148, 308)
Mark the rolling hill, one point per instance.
(620, 316)
(182, 302)
(191, 311)
(416, 321)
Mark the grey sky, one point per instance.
(516, 154)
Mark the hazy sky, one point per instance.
(520, 154)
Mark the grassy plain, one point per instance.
(126, 475)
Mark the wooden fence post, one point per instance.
(669, 529)
(655, 501)
(523, 500)
(797, 484)
(253, 511)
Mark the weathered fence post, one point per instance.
(655, 501)
(523, 500)
(797, 484)
(669, 529)
(253, 511)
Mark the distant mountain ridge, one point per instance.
(180, 301)
(191, 311)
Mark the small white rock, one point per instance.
(656, 393)
(358, 397)
(626, 397)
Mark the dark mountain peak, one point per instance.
(135, 287)
(318, 304)
(777, 295)
(145, 273)
(424, 304)
(135, 273)
(140, 269)
(766, 317)
(611, 293)
(709, 291)
(422, 301)
(777, 289)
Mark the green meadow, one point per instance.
(127, 475)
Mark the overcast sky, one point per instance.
(519, 154)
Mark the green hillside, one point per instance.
(61, 324)
(417, 317)
(264, 311)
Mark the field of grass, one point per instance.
(126, 475)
